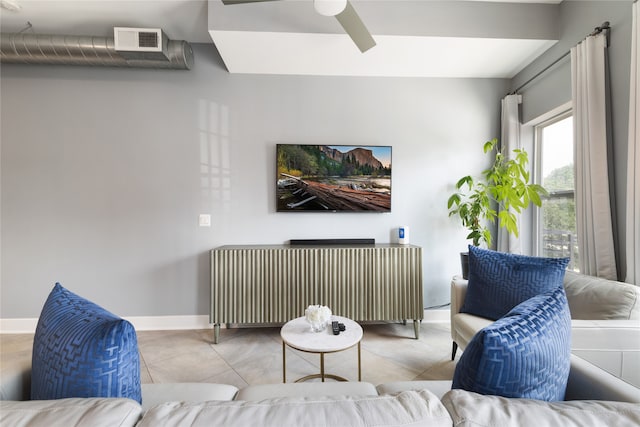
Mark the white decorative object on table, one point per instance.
(318, 317)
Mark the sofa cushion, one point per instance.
(499, 281)
(475, 410)
(437, 387)
(94, 412)
(466, 326)
(82, 350)
(589, 382)
(409, 408)
(524, 354)
(595, 298)
(156, 393)
(309, 389)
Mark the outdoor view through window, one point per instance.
(558, 215)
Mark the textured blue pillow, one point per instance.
(524, 354)
(499, 281)
(82, 350)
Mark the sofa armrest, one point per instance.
(588, 382)
(458, 292)
(595, 298)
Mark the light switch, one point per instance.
(204, 220)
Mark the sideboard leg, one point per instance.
(216, 333)
(416, 328)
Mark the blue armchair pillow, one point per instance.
(525, 354)
(499, 281)
(82, 350)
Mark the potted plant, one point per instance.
(503, 191)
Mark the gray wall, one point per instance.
(104, 173)
(553, 88)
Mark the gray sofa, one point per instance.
(594, 397)
(605, 322)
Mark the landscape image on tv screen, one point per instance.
(333, 178)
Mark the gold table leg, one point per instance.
(359, 364)
(322, 375)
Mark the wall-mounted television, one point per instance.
(333, 178)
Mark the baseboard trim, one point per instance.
(18, 326)
(141, 323)
(437, 316)
(166, 323)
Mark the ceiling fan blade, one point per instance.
(230, 2)
(354, 26)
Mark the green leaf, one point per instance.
(539, 189)
(508, 220)
(454, 199)
(465, 180)
(486, 236)
(488, 146)
(535, 198)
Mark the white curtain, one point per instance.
(510, 140)
(593, 209)
(633, 165)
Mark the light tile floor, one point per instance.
(247, 356)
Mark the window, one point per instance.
(556, 222)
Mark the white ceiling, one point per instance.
(414, 37)
(400, 56)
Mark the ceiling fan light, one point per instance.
(12, 5)
(329, 7)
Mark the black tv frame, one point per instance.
(333, 178)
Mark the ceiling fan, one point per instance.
(345, 14)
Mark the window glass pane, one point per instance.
(559, 235)
(558, 210)
(557, 155)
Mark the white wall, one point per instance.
(104, 173)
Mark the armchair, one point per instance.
(605, 322)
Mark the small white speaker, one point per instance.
(403, 235)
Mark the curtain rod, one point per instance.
(604, 27)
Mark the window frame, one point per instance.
(551, 118)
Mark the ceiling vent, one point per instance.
(130, 47)
(141, 43)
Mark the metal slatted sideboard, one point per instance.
(265, 284)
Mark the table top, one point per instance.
(297, 333)
(308, 247)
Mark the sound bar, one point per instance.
(329, 242)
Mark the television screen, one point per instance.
(333, 178)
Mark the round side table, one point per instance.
(298, 335)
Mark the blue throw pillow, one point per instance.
(82, 350)
(524, 354)
(499, 281)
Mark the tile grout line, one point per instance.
(226, 362)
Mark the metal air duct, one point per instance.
(27, 48)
